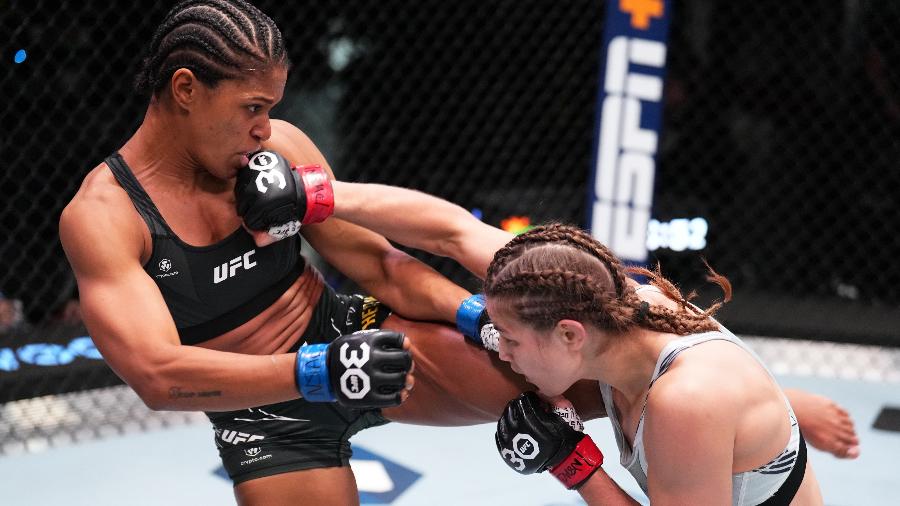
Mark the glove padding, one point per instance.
(532, 439)
(275, 197)
(366, 369)
(473, 321)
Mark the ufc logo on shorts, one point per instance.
(229, 268)
(354, 382)
(234, 437)
(524, 448)
(623, 186)
(262, 163)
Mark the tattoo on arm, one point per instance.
(179, 393)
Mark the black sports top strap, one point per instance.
(139, 197)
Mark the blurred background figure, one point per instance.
(12, 315)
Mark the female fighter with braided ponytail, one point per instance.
(697, 417)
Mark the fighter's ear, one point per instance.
(571, 333)
(183, 86)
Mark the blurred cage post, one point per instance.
(778, 146)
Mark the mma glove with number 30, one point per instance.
(275, 197)
(366, 369)
(532, 438)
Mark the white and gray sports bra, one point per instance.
(749, 488)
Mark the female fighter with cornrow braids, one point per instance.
(632, 309)
(195, 304)
(697, 417)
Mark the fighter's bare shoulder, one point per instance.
(293, 144)
(100, 206)
(99, 193)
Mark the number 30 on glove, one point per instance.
(274, 197)
(366, 369)
(531, 439)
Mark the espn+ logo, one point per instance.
(626, 166)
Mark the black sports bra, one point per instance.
(211, 289)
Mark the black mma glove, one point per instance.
(366, 369)
(531, 439)
(473, 321)
(275, 197)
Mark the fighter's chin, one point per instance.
(234, 165)
(225, 171)
(548, 392)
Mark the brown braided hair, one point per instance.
(555, 272)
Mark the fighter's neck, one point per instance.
(628, 364)
(157, 155)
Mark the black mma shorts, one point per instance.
(296, 435)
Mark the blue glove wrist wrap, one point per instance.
(312, 373)
(468, 314)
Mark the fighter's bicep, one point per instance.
(97, 238)
(129, 322)
(122, 307)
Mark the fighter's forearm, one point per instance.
(406, 216)
(600, 489)
(416, 291)
(420, 221)
(193, 378)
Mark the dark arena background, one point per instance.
(775, 160)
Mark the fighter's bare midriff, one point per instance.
(279, 326)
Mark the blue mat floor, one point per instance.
(408, 465)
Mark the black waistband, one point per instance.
(786, 492)
(241, 314)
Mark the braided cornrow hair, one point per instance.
(556, 272)
(215, 39)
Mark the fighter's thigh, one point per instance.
(313, 487)
(458, 383)
(809, 494)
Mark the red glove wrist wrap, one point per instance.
(319, 194)
(580, 464)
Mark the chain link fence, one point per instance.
(780, 131)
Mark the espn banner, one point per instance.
(629, 120)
